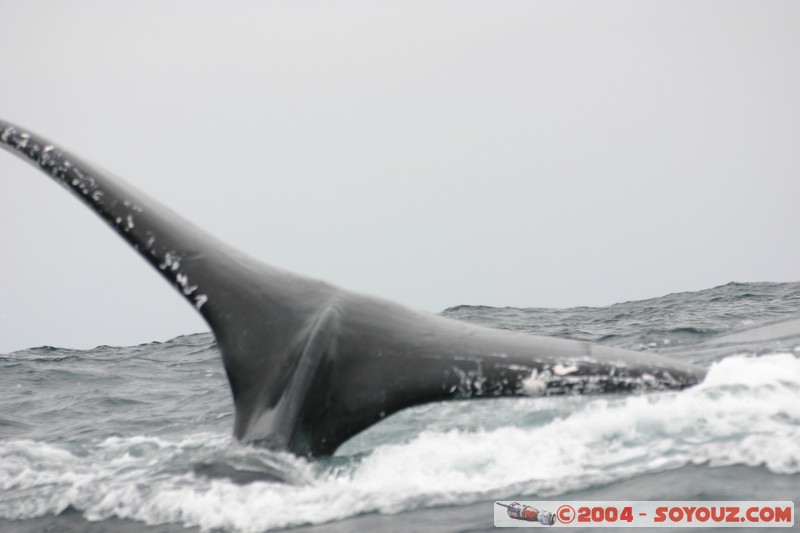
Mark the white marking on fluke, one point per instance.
(534, 385)
(199, 300)
(7, 133)
(183, 281)
(171, 260)
(560, 370)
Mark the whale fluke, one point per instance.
(311, 365)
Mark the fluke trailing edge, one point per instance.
(311, 365)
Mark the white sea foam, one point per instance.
(747, 412)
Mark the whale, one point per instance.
(309, 364)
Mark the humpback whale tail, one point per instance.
(309, 364)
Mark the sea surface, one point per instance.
(139, 438)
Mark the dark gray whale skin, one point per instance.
(311, 365)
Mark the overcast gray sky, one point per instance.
(506, 153)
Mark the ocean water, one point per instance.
(139, 438)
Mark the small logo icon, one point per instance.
(528, 513)
(565, 514)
